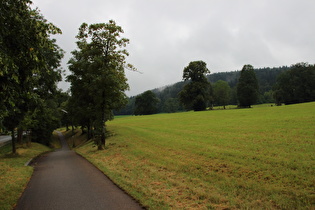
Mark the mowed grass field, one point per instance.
(258, 158)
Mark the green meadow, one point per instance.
(258, 158)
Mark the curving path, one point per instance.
(64, 180)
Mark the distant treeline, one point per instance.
(168, 95)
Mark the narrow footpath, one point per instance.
(4, 140)
(64, 180)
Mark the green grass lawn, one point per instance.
(14, 175)
(258, 158)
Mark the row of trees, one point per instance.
(168, 100)
(198, 94)
(232, 88)
(30, 63)
(29, 70)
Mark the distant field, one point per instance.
(259, 158)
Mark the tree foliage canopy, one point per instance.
(197, 93)
(247, 87)
(29, 57)
(221, 93)
(146, 103)
(29, 62)
(196, 71)
(296, 85)
(98, 78)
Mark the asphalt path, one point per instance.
(64, 180)
(4, 140)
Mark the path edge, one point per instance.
(32, 161)
(137, 201)
(73, 149)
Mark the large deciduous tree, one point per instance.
(247, 87)
(221, 93)
(29, 61)
(296, 85)
(197, 93)
(146, 103)
(98, 74)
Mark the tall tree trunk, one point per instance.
(101, 145)
(19, 135)
(88, 132)
(13, 141)
(89, 127)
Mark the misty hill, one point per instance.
(168, 95)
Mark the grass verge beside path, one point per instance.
(14, 175)
(259, 158)
(74, 138)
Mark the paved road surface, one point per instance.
(64, 180)
(4, 140)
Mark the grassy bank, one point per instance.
(259, 158)
(74, 138)
(14, 175)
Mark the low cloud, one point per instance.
(166, 35)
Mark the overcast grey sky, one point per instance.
(165, 35)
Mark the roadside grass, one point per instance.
(258, 158)
(55, 141)
(74, 139)
(14, 175)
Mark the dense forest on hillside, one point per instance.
(168, 95)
